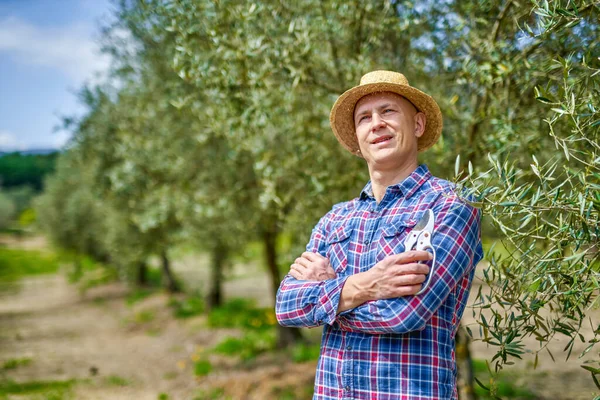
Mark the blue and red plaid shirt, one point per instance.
(400, 348)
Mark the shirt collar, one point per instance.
(407, 187)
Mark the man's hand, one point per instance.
(396, 275)
(312, 267)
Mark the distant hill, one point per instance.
(26, 168)
(30, 152)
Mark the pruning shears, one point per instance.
(420, 239)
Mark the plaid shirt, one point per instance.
(400, 348)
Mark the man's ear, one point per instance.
(420, 122)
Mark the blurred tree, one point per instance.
(265, 75)
(7, 210)
(69, 211)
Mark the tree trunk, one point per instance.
(167, 275)
(285, 336)
(217, 264)
(141, 278)
(464, 362)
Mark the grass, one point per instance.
(17, 263)
(190, 306)
(15, 363)
(248, 346)
(242, 313)
(257, 324)
(202, 367)
(292, 392)
(138, 295)
(144, 316)
(212, 394)
(115, 380)
(36, 387)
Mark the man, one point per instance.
(382, 340)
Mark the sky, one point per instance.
(48, 50)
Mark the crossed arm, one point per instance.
(381, 300)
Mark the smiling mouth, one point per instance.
(381, 139)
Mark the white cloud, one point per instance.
(10, 142)
(60, 138)
(69, 49)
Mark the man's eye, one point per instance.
(388, 110)
(363, 118)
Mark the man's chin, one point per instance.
(386, 157)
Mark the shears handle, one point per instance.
(424, 244)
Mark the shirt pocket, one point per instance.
(338, 242)
(392, 237)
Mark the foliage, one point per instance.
(303, 352)
(502, 385)
(548, 211)
(18, 169)
(27, 217)
(70, 213)
(7, 210)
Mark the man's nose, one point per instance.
(376, 122)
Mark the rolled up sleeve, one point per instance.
(309, 303)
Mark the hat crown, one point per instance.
(384, 77)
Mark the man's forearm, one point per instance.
(354, 293)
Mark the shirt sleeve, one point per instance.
(309, 303)
(457, 243)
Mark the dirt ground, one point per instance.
(101, 341)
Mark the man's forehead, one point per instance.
(379, 96)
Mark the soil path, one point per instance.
(99, 340)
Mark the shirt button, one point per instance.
(367, 242)
(347, 388)
(348, 347)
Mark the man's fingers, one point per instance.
(411, 256)
(302, 262)
(314, 257)
(408, 280)
(412, 268)
(297, 267)
(409, 290)
(295, 274)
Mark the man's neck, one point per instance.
(382, 179)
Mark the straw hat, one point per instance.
(342, 113)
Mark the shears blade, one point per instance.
(426, 222)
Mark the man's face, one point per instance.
(387, 128)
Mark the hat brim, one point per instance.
(342, 113)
